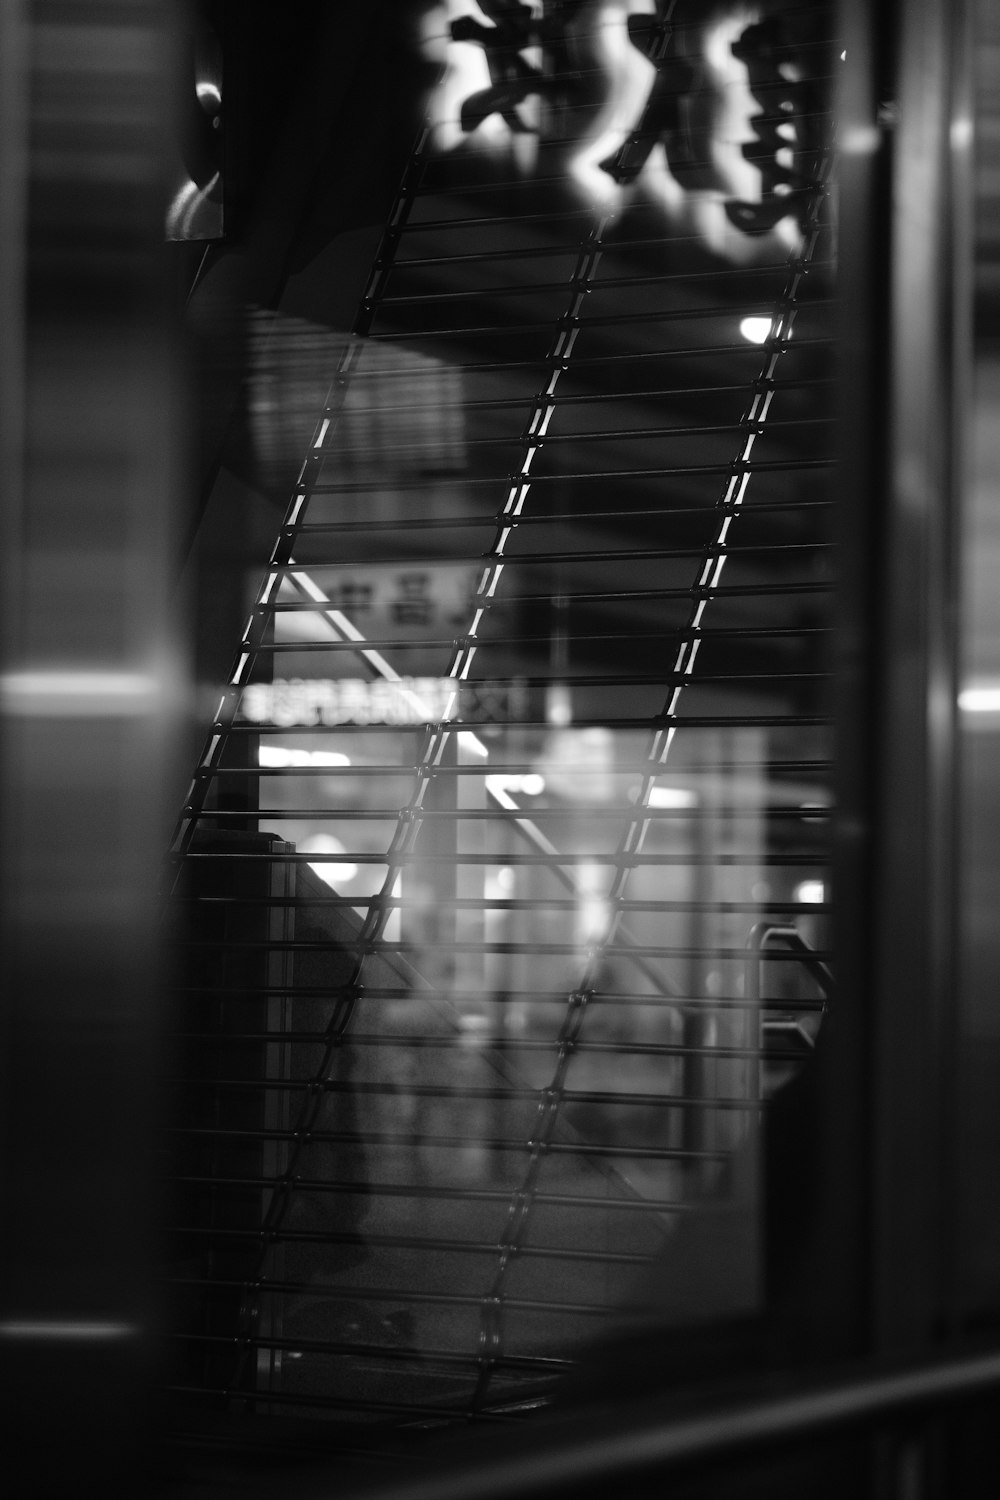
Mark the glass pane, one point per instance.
(511, 877)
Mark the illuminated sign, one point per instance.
(710, 111)
(297, 702)
(413, 600)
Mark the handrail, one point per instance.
(603, 1451)
(764, 933)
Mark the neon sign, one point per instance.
(717, 113)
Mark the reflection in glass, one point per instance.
(515, 840)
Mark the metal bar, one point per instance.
(689, 816)
(404, 1089)
(427, 1358)
(794, 858)
(528, 288)
(453, 1043)
(405, 1138)
(446, 1194)
(751, 550)
(634, 950)
(664, 278)
(913, 985)
(594, 596)
(688, 471)
(428, 1245)
(395, 643)
(332, 1292)
(766, 768)
(512, 328)
(509, 403)
(601, 1451)
(359, 856)
(510, 903)
(478, 445)
(375, 993)
(551, 518)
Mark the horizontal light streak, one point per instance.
(671, 796)
(278, 757)
(79, 694)
(984, 699)
(66, 1330)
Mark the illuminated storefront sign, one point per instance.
(413, 599)
(297, 702)
(417, 601)
(709, 111)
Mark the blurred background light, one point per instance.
(755, 330)
(809, 892)
(980, 700)
(332, 872)
(278, 756)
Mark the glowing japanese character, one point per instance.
(790, 110)
(355, 598)
(664, 116)
(513, 78)
(413, 606)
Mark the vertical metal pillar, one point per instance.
(90, 703)
(889, 1086)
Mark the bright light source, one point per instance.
(810, 892)
(558, 705)
(471, 742)
(980, 700)
(278, 756)
(672, 796)
(859, 140)
(332, 873)
(755, 330)
(498, 884)
(531, 785)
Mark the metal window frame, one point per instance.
(905, 247)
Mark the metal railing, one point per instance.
(609, 1451)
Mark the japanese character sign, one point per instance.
(718, 112)
(410, 600)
